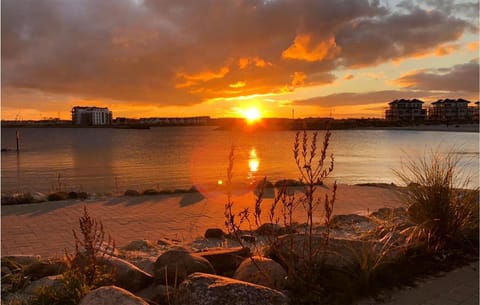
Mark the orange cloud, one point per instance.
(348, 77)
(237, 85)
(446, 49)
(406, 79)
(261, 63)
(473, 46)
(302, 49)
(243, 62)
(298, 79)
(193, 79)
(256, 61)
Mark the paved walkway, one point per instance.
(457, 287)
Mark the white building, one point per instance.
(91, 116)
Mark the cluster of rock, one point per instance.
(146, 272)
(177, 274)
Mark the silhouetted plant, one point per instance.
(440, 205)
(314, 168)
(89, 248)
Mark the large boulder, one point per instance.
(174, 265)
(40, 269)
(132, 193)
(157, 293)
(125, 274)
(262, 271)
(207, 289)
(349, 219)
(268, 229)
(146, 264)
(226, 261)
(111, 295)
(140, 245)
(214, 233)
(23, 260)
(129, 276)
(335, 252)
(390, 214)
(48, 281)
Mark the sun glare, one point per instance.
(252, 115)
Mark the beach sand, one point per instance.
(46, 228)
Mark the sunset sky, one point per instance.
(147, 58)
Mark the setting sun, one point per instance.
(252, 115)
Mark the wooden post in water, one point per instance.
(18, 138)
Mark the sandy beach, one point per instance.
(46, 228)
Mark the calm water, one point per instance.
(113, 160)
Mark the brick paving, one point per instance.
(46, 228)
(457, 287)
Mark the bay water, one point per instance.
(107, 160)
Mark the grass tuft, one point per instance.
(440, 205)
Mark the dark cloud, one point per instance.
(375, 97)
(372, 41)
(170, 52)
(459, 78)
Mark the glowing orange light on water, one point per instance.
(253, 162)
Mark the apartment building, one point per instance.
(91, 116)
(450, 110)
(405, 110)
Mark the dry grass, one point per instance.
(440, 205)
(314, 166)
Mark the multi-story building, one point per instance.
(405, 110)
(450, 110)
(475, 111)
(91, 116)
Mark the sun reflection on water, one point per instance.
(253, 163)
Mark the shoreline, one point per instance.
(443, 127)
(9, 198)
(462, 127)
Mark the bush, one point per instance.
(73, 195)
(57, 196)
(72, 290)
(441, 207)
(150, 192)
(132, 193)
(18, 198)
(82, 195)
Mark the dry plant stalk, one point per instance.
(233, 227)
(90, 247)
(314, 168)
(314, 171)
